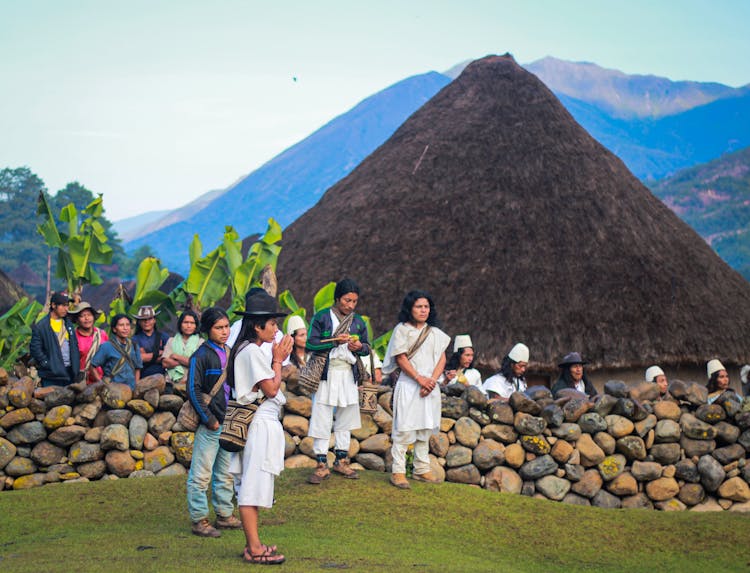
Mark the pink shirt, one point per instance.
(84, 345)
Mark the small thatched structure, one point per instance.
(523, 227)
(10, 293)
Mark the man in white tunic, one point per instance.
(417, 349)
(512, 375)
(338, 339)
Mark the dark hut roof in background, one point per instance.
(524, 228)
(10, 293)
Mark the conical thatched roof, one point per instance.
(10, 292)
(524, 228)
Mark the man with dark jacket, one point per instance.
(54, 346)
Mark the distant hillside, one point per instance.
(626, 96)
(293, 181)
(129, 227)
(714, 199)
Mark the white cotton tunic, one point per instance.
(255, 468)
(473, 378)
(339, 388)
(500, 385)
(411, 411)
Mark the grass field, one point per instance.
(365, 525)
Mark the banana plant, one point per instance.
(15, 330)
(324, 297)
(80, 246)
(148, 279)
(209, 276)
(261, 258)
(287, 302)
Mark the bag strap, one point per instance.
(219, 384)
(420, 340)
(124, 352)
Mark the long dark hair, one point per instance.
(454, 362)
(246, 336)
(211, 316)
(506, 369)
(713, 382)
(568, 378)
(412, 297)
(183, 316)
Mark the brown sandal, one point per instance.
(267, 557)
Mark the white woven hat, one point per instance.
(652, 372)
(714, 366)
(294, 323)
(744, 372)
(462, 341)
(519, 353)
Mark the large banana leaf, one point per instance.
(324, 297)
(15, 330)
(48, 229)
(208, 278)
(263, 252)
(380, 344)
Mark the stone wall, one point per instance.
(625, 449)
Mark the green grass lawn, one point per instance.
(365, 525)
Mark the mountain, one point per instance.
(291, 182)
(524, 228)
(131, 227)
(714, 199)
(626, 96)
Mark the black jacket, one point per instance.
(205, 369)
(45, 350)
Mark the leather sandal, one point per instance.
(266, 557)
(321, 473)
(343, 468)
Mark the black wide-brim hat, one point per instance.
(572, 358)
(261, 305)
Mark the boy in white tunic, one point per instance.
(417, 348)
(252, 376)
(337, 337)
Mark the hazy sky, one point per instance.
(153, 103)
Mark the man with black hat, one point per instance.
(54, 346)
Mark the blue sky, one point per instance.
(153, 103)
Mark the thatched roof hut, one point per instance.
(10, 293)
(523, 227)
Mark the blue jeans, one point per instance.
(209, 464)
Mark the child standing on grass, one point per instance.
(417, 348)
(255, 375)
(207, 392)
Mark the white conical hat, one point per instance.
(714, 366)
(744, 372)
(462, 341)
(652, 372)
(519, 353)
(294, 323)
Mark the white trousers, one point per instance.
(401, 442)
(321, 422)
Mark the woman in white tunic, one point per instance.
(460, 366)
(512, 375)
(417, 348)
(253, 378)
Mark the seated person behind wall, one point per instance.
(573, 376)
(655, 375)
(512, 375)
(297, 329)
(460, 365)
(179, 349)
(718, 380)
(119, 357)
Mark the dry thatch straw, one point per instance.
(524, 228)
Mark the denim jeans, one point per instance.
(210, 464)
